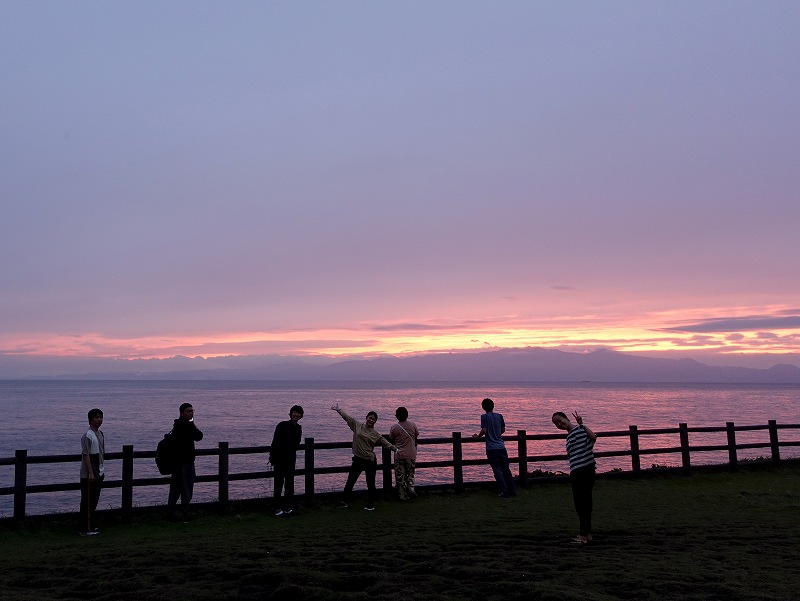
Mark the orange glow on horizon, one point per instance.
(582, 333)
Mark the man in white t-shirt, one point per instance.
(93, 449)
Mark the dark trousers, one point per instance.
(582, 480)
(181, 486)
(498, 459)
(284, 482)
(369, 468)
(90, 497)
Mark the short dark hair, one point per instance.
(94, 413)
(487, 404)
(297, 408)
(373, 413)
(401, 414)
(559, 414)
(184, 407)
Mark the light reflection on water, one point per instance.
(48, 418)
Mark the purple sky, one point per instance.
(208, 178)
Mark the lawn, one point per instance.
(726, 536)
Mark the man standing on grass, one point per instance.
(492, 427)
(93, 449)
(283, 457)
(404, 435)
(181, 482)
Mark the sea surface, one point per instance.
(49, 417)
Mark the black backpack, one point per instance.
(165, 454)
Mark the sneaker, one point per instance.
(89, 533)
(287, 512)
(279, 512)
(369, 508)
(341, 505)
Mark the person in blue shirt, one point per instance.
(492, 427)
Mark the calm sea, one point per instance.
(49, 417)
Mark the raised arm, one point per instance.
(592, 436)
(351, 422)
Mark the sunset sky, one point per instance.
(335, 178)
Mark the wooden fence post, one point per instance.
(522, 454)
(686, 457)
(127, 481)
(636, 461)
(733, 460)
(20, 483)
(773, 441)
(309, 467)
(458, 466)
(223, 476)
(386, 460)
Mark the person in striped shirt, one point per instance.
(580, 445)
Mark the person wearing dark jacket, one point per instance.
(181, 483)
(283, 457)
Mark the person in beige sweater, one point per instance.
(365, 439)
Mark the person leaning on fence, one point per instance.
(492, 427)
(93, 450)
(404, 435)
(580, 445)
(181, 482)
(283, 457)
(365, 439)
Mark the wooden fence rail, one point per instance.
(310, 448)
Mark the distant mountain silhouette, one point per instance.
(506, 365)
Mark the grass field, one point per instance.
(725, 536)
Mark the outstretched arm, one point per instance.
(385, 443)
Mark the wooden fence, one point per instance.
(309, 471)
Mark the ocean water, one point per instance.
(49, 417)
